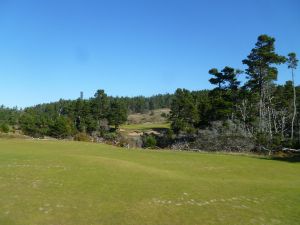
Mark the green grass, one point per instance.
(145, 126)
(71, 183)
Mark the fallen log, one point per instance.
(291, 150)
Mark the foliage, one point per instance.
(92, 116)
(118, 113)
(9, 116)
(263, 109)
(82, 137)
(110, 136)
(261, 74)
(149, 141)
(164, 115)
(4, 128)
(34, 125)
(183, 112)
(61, 128)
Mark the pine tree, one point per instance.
(118, 113)
(184, 115)
(261, 73)
(100, 107)
(224, 97)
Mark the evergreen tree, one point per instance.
(218, 78)
(224, 97)
(100, 106)
(61, 128)
(261, 73)
(118, 113)
(184, 115)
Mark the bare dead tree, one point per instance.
(292, 64)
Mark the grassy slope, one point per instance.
(149, 117)
(80, 183)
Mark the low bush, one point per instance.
(82, 137)
(4, 128)
(149, 141)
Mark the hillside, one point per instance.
(153, 116)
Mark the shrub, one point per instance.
(4, 128)
(164, 115)
(110, 136)
(130, 141)
(165, 140)
(61, 128)
(149, 141)
(82, 137)
(219, 136)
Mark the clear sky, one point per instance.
(54, 49)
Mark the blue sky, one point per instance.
(55, 49)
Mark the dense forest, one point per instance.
(256, 114)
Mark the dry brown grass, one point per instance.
(154, 116)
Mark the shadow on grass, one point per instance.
(290, 158)
(160, 130)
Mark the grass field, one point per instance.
(145, 126)
(71, 183)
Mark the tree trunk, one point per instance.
(270, 123)
(295, 107)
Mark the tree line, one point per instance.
(96, 116)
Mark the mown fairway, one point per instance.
(70, 183)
